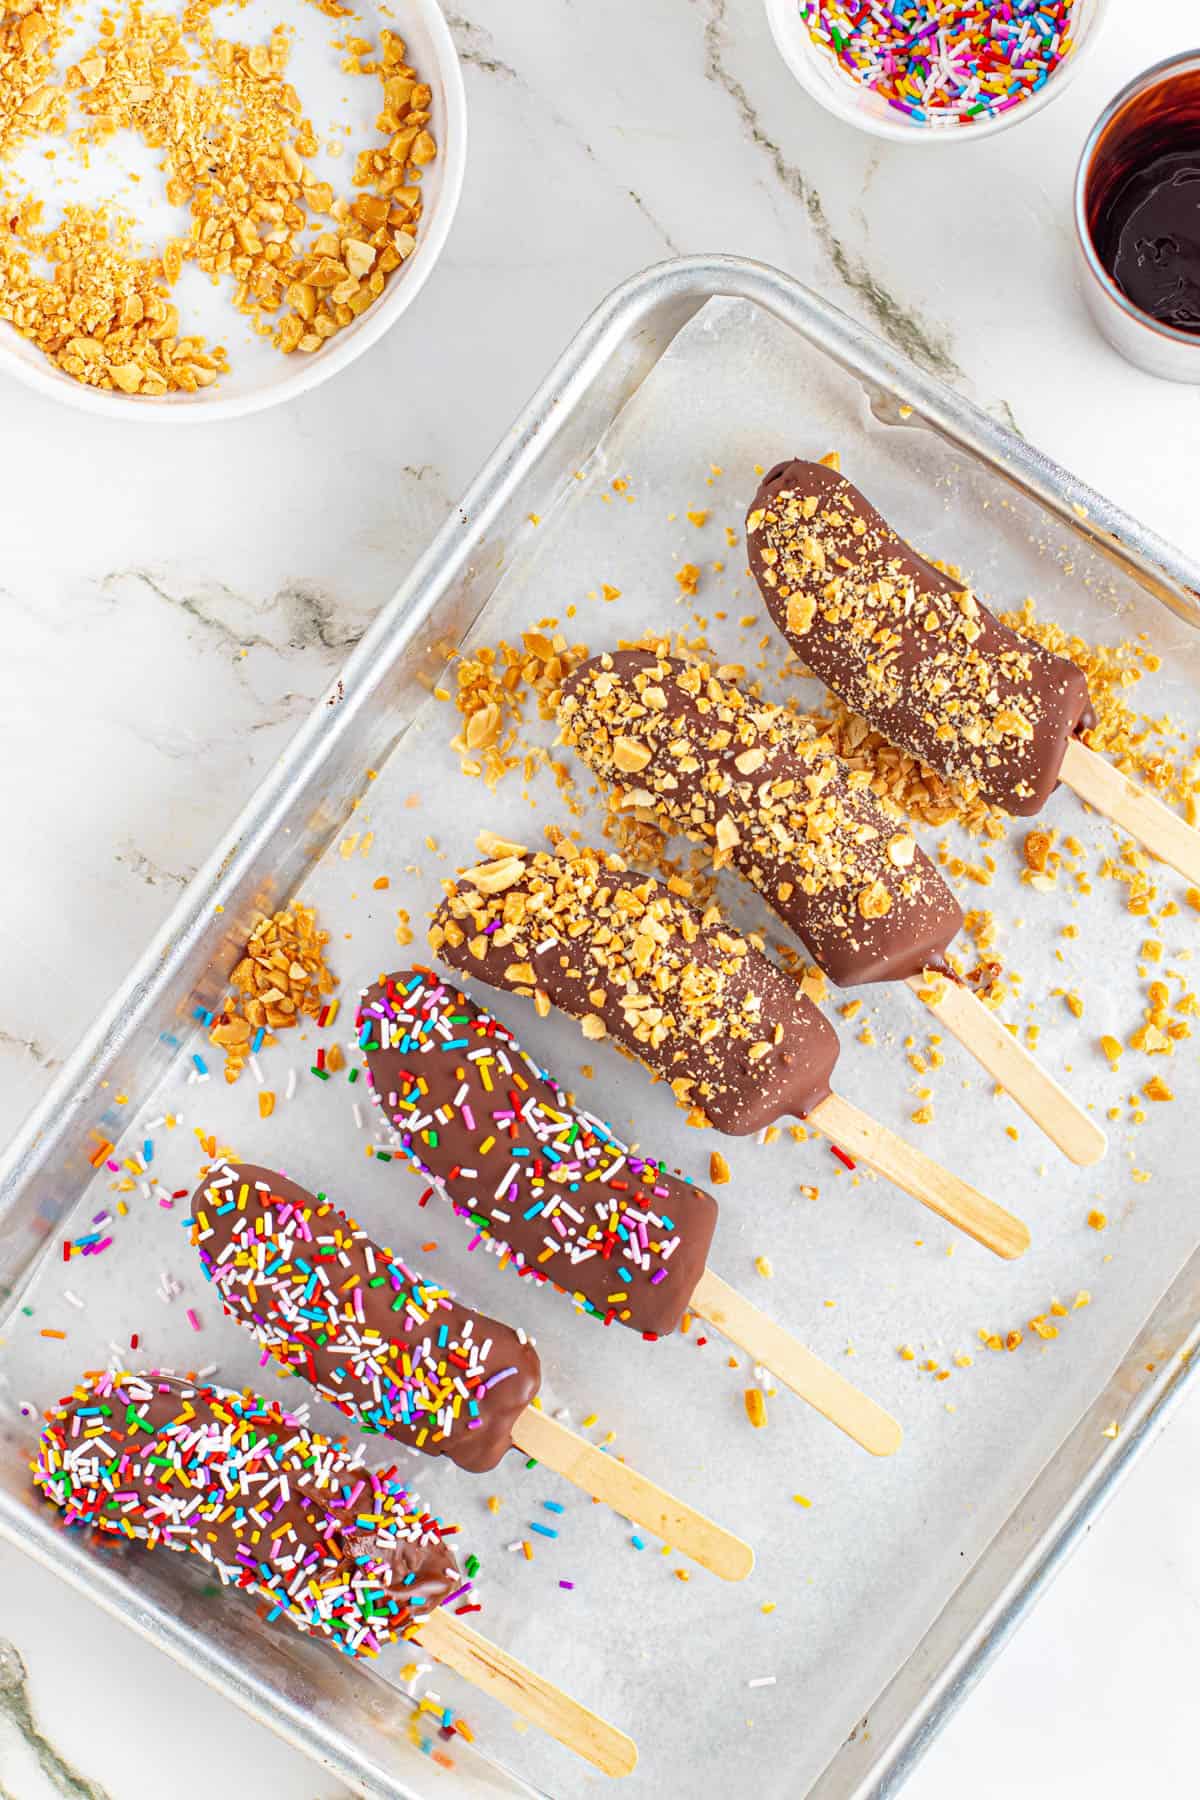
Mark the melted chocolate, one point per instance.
(341, 1550)
(393, 1351)
(1148, 238)
(692, 999)
(909, 648)
(764, 787)
(554, 1186)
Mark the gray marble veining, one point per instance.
(30, 1766)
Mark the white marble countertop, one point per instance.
(172, 604)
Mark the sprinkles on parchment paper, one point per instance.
(553, 1187)
(341, 1550)
(392, 1350)
(945, 62)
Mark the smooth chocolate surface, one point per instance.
(763, 788)
(1148, 236)
(915, 652)
(391, 1349)
(339, 1549)
(567, 1200)
(689, 996)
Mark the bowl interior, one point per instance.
(342, 108)
(858, 105)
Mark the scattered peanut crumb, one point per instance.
(492, 689)
(755, 1402)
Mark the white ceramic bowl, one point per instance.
(841, 95)
(259, 375)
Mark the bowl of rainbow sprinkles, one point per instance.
(926, 71)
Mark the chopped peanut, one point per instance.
(756, 1407)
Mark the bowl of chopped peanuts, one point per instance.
(197, 226)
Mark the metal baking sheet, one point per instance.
(890, 1588)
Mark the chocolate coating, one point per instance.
(342, 1551)
(565, 1199)
(691, 998)
(764, 789)
(393, 1351)
(913, 651)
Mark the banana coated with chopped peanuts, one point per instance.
(761, 786)
(911, 649)
(695, 1000)
(916, 655)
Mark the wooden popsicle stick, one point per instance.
(1133, 808)
(1021, 1076)
(632, 1495)
(953, 1200)
(797, 1367)
(526, 1693)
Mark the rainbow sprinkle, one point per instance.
(945, 62)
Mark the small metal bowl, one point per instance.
(1149, 100)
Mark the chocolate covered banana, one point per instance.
(338, 1549)
(400, 1356)
(697, 1002)
(564, 1199)
(569, 1201)
(395, 1352)
(911, 649)
(764, 790)
(694, 999)
(925, 662)
(342, 1551)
